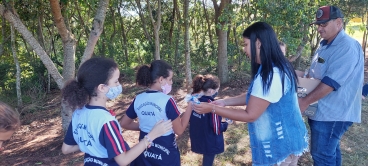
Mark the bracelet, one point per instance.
(145, 143)
(213, 109)
(225, 104)
(148, 140)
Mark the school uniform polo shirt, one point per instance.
(150, 107)
(98, 135)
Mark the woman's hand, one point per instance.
(203, 107)
(160, 128)
(220, 102)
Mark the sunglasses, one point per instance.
(323, 24)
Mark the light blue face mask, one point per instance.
(114, 92)
(214, 95)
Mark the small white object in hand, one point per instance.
(192, 98)
(229, 121)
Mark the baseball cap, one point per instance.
(327, 13)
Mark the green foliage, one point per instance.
(130, 42)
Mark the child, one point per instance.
(282, 47)
(206, 129)
(152, 106)
(9, 122)
(93, 129)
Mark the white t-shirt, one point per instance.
(275, 92)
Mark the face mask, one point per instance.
(166, 88)
(214, 95)
(114, 92)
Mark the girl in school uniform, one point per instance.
(94, 130)
(206, 130)
(151, 106)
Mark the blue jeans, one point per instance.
(208, 159)
(325, 141)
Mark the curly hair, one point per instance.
(205, 82)
(92, 73)
(9, 119)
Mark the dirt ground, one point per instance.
(39, 140)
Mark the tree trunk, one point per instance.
(97, 28)
(81, 21)
(124, 39)
(144, 24)
(222, 65)
(176, 54)
(3, 25)
(156, 27)
(223, 70)
(69, 57)
(365, 36)
(67, 39)
(27, 35)
(172, 20)
(188, 72)
(14, 50)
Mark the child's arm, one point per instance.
(69, 144)
(66, 149)
(127, 122)
(180, 123)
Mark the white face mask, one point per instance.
(114, 92)
(166, 88)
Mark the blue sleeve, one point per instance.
(69, 139)
(330, 82)
(365, 90)
(130, 112)
(224, 126)
(111, 138)
(172, 110)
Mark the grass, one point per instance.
(354, 146)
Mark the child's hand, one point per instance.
(160, 128)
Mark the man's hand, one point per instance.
(302, 104)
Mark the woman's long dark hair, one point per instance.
(270, 55)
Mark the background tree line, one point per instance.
(43, 43)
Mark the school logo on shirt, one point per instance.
(149, 113)
(152, 155)
(161, 148)
(151, 104)
(84, 141)
(93, 160)
(197, 115)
